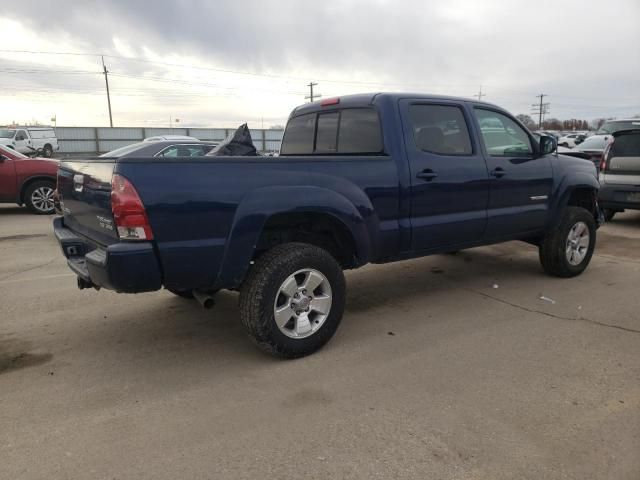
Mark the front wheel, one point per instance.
(292, 300)
(566, 250)
(39, 197)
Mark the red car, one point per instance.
(27, 181)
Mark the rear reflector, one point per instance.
(330, 101)
(128, 210)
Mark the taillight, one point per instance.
(605, 154)
(128, 210)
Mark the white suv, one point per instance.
(28, 139)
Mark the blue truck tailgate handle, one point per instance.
(427, 175)
(498, 172)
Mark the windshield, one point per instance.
(596, 143)
(617, 125)
(12, 152)
(119, 152)
(4, 133)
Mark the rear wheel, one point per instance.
(47, 151)
(39, 197)
(292, 300)
(566, 250)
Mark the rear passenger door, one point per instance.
(449, 180)
(520, 179)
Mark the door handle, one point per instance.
(427, 175)
(498, 172)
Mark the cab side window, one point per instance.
(502, 136)
(440, 129)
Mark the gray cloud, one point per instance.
(580, 53)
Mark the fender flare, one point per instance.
(568, 184)
(258, 206)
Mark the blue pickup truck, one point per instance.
(369, 178)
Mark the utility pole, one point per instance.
(106, 81)
(480, 94)
(311, 95)
(540, 109)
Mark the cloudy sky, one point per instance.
(218, 63)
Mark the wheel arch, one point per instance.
(273, 215)
(29, 181)
(579, 191)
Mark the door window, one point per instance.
(440, 129)
(502, 136)
(21, 135)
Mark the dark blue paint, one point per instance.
(208, 213)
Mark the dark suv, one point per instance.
(620, 173)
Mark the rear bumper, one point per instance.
(124, 267)
(616, 197)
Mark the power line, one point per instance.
(541, 109)
(311, 96)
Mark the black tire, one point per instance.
(47, 151)
(182, 293)
(608, 214)
(33, 197)
(553, 248)
(258, 298)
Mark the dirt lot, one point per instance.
(434, 373)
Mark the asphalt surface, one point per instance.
(446, 367)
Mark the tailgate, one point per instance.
(84, 187)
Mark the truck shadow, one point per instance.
(166, 331)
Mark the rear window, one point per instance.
(626, 146)
(618, 125)
(348, 131)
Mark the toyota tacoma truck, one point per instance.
(369, 178)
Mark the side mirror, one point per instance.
(548, 144)
(2, 158)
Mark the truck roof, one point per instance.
(368, 99)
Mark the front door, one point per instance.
(22, 142)
(521, 180)
(449, 180)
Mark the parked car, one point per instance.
(162, 138)
(27, 181)
(571, 140)
(163, 148)
(27, 139)
(360, 179)
(612, 126)
(594, 147)
(620, 174)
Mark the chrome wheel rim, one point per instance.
(303, 303)
(577, 243)
(42, 199)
